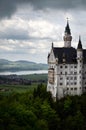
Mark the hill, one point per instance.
(21, 65)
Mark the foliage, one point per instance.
(7, 89)
(36, 110)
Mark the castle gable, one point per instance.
(51, 57)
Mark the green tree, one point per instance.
(50, 116)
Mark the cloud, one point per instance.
(58, 4)
(9, 7)
(22, 49)
(19, 29)
(5, 48)
(13, 29)
(43, 29)
(34, 24)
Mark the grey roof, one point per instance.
(70, 54)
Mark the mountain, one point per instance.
(21, 65)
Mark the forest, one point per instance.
(36, 110)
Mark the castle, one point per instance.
(66, 68)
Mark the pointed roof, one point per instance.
(52, 44)
(79, 43)
(67, 28)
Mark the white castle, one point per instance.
(67, 68)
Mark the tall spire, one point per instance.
(52, 45)
(79, 43)
(67, 28)
(67, 36)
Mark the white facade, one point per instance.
(66, 69)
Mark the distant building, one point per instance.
(67, 68)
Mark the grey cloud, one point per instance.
(14, 34)
(8, 7)
(58, 4)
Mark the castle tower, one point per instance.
(79, 67)
(67, 36)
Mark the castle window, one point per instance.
(61, 78)
(83, 77)
(75, 78)
(71, 88)
(67, 88)
(71, 66)
(67, 83)
(65, 66)
(71, 83)
(60, 72)
(65, 72)
(67, 78)
(61, 66)
(75, 88)
(71, 78)
(75, 72)
(80, 71)
(60, 83)
(75, 66)
(75, 83)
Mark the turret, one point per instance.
(79, 47)
(67, 36)
(52, 45)
(79, 67)
(79, 50)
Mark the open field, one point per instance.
(21, 88)
(6, 89)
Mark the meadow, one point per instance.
(35, 78)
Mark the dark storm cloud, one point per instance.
(8, 7)
(58, 4)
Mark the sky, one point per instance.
(28, 27)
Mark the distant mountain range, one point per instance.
(21, 65)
